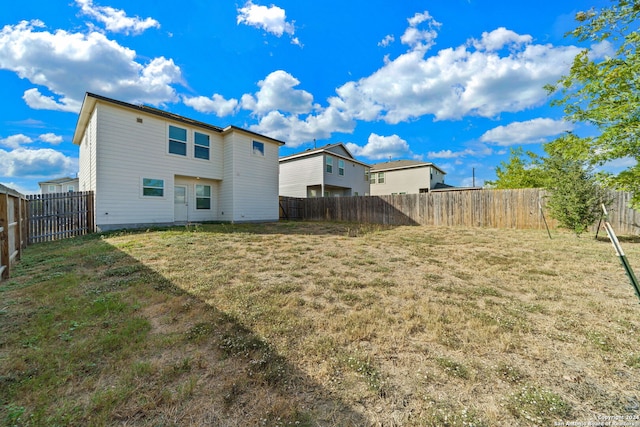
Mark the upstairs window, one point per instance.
(258, 148)
(329, 164)
(366, 175)
(380, 177)
(201, 146)
(373, 178)
(51, 188)
(177, 140)
(341, 167)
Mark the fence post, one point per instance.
(5, 260)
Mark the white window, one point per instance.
(366, 175)
(177, 140)
(373, 178)
(380, 177)
(258, 148)
(341, 167)
(329, 162)
(200, 146)
(70, 188)
(51, 188)
(152, 187)
(203, 196)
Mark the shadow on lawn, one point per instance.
(195, 364)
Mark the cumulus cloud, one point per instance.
(499, 38)
(50, 138)
(381, 147)
(272, 19)
(418, 38)
(116, 20)
(386, 41)
(27, 163)
(529, 132)
(449, 154)
(216, 104)
(459, 82)
(15, 141)
(277, 92)
(68, 64)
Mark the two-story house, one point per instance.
(59, 185)
(405, 177)
(323, 172)
(150, 167)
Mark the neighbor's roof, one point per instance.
(324, 149)
(58, 180)
(90, 100)
(402, 164)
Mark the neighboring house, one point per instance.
(150, 167)
(405, 177)
(60, 185)
(328, 171)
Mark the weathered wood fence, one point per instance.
(522, 208)
(60, 215)
(13, 229)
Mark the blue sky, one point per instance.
(455, 82)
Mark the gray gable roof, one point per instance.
(402, 164)
(338, 149)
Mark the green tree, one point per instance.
(522, 170)
(575, 196)
(604, 92)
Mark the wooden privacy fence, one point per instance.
(519, 208)
(60, 215)
(13, 229)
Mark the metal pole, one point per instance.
(620, 253)
(544, 219)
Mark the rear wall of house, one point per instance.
(402, 181)
(132, 146)
(297, 175)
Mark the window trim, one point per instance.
(340, 169)
(143, 187)
(177, 141)
(51, 188)
(328, 164)
(381, 175)
(209, 197)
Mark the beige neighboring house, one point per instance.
(330, 171)
(150, 167)
(59, 185)
(406, 177)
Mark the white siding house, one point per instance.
(59, 185)
(405, 177)
(328, 171)
(150, 167)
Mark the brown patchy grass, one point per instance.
(320, 324)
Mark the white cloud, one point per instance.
(50, 138)
(44, 162)
(216, 104)
(272, 19)
(499, 38)
(295, 130)
(68, 64)
(277, 93)
(381, 148)
(448, 154)
(386, 41)
(15, 141)
(459, 82)
(116, 20)
(529, 132)
(417, 38)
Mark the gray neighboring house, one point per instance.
(59, 185)
(406, 177)
(330, 171)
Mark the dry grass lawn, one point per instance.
(321, 324)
